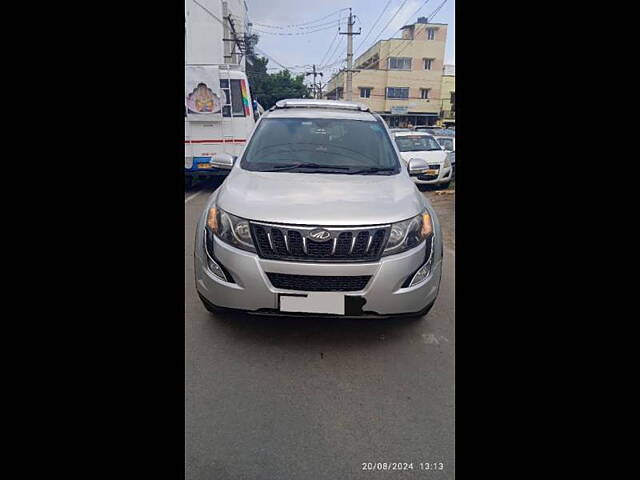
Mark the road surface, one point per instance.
(276, 398)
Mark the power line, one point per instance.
(402, 47)
(271, 58)
(332, 41)
(390, 20)
(429, 18)
(330, 45)
(408, 18)
(299, 28)
(437, 10)
(208, 11)
(296, 33)
(374, 26)
(304, 23)
(333, 55)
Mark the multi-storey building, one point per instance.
(214, 31)
(400, 78)
(448, 94)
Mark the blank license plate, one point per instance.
(431, 172)
(313, 302)
(202, 166)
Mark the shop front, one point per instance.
(401, 117)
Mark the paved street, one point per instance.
(271, 398)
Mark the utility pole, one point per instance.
(237, 41)
(315, 85)
(350, 69)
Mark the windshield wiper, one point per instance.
(292, 166)
(371, 170)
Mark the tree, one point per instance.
(268, 88)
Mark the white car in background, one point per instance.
(449, 144)
(424, 146)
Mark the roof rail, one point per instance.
(326, 104)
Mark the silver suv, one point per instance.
(319, 216)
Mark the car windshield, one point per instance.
(321, 145)
(416, 143)
(446, 143)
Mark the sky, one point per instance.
(320, 46)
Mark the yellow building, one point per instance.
(400, 78)
(448, 94)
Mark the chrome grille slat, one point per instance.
(353, 243)
(369, 242)
(294, 243)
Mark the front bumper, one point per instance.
(194, 168)
(253, 291)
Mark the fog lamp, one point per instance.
(215, 269)
(421, 274)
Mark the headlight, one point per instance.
(230, 229)
(447, 161)
(408, 234)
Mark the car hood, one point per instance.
(320, 199)
(433, 156)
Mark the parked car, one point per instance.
(449, 144)
(428, 129)
(433, 130)
(319, 216)
(424, 146)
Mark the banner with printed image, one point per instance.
(203, 96)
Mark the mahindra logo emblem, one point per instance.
(320, 235)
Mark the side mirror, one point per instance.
(417, 166)
(223, 161)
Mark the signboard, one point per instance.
(203, 97)
(399, 110)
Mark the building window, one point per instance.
(424, 93)
(428, 63)
(365, 92)
(399, 63)
(431, 33)
(397, 92)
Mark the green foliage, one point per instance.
(268, 88)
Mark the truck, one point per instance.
(218, 109)
(215, 122)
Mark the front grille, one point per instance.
(436, 166)
(317, 283)
(294, 243)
